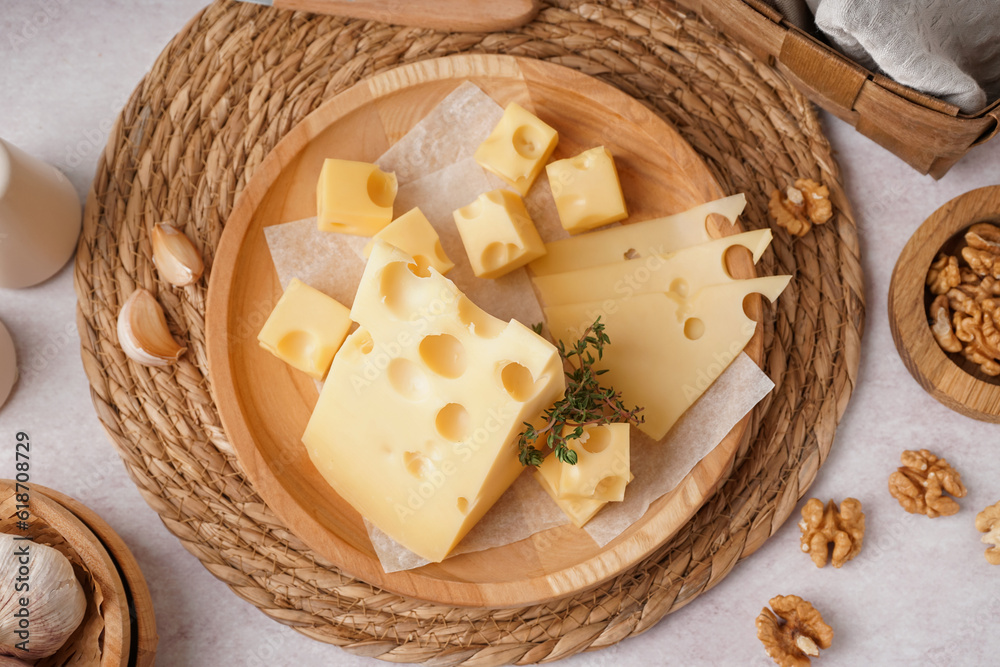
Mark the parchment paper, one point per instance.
(441, 179)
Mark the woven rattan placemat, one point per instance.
(221, 95)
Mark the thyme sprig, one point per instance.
(586, 402)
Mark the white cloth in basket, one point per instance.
(946, 48)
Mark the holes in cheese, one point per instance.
(453, 422)
(444, 354)
(498, 234)
(693, 328)
(639, 239)
(517, 381)
(354, 197)
(696, 267)
(517, 148)
(305, 329)
(586, 190)
(431, 385)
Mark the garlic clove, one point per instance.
(56, 601)
(143, 332)
(175, 256)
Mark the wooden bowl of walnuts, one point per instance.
(944, 304)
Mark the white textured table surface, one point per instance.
(919, 593)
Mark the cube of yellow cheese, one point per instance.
(579, 511)
(413, 233)
(354, 197)
(305, 329)
(498, 234)
(517, 148)
(417, 424)
(602, 466)
(586, 190)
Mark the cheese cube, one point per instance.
(354, 197)
(305, 329)
(517, 148)
(665, 352)
(586, 190)
(417, 424)
(602, 465)
(498, 234)
(579, 511)
(413, 233)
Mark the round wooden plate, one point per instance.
(949, 378)
(264, 405)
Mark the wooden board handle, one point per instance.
(446, 15)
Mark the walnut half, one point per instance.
(844, 528)
(801, 206)
(988, 521)
(799, 634)
(919, 485)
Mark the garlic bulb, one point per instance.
(143, 332)
(175, 256)
(41, 601)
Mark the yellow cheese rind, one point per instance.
(498, 234)
(305, 329)
(413, 233)
(517, 148)
(354, 197)
(640, 239)
(586, 190)
(417, 424)
(682, 273)
(664, 352)
(602, 465)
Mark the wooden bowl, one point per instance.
(142, 619)
(265, 405)
(949, 378)
(56, 526)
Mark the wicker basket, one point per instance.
(928, 134)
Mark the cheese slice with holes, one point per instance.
(640, 239)
(683, 272)
(417, 424)
(413, 233)
(666, 351)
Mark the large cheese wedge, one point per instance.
(682, 273)
(416, 426)
(641, 239)
(665, 352)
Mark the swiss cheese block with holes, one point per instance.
(665, 351)
(498, 234)
(305, 329)
(586, 190)
(354, 197)
(602, 465)
(682, 273)
(517, 148)
(638, 239)
(417, 424)
(413, 233)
